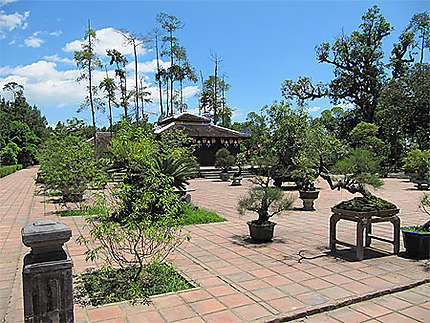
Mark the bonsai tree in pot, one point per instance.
(416, 239)
(224, 160)
(240, 160)
(358, 169)
(264, 200)
(417, 164)
(305, 175)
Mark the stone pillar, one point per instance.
(47, 273)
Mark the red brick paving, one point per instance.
(240, 281)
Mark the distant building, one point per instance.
(207, 138)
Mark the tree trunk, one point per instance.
(171, 68)
(137, 87)
(215, 93)
(90, 90)
(159, 78)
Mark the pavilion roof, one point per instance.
(184, 117)
(203, 130)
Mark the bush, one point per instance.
(9, 154)
(224, 159)
(7, 170)
(417, 162)
(68, 166)
(141, 221)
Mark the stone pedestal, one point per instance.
(47, 273)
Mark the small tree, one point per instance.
(266, 201)
(9, 154)
(142, 218)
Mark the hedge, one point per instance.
(7, 170)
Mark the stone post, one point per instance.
(47, 273)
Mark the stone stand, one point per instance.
(47, 273)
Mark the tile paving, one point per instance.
(239, 281)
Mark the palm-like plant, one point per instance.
(179, 169)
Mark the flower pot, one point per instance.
(308, 198)
(236, 181)
(261, 232)
(224, 176)
(417, 244)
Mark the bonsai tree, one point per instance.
(240, 160)
(358, 169)
(425, 207)
(305, 173)
(264, 200)
(224, 160)
(417, 163)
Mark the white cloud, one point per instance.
(9, 22)
(33, 41)
(45, 84)
(58, 59)
(5, 2)
(56, 33)
(314, 109)
(12, 42)
(106, 38)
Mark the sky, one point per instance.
(261, 44)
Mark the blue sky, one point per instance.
(261, 44)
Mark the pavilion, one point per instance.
(207, 137)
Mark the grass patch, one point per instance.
(193, 215)
(415, 229)
(90, 210)
(99, 287)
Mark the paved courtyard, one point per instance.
(239, 281)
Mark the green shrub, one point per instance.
(7, 170)
(9, 154)
(68, 166)
(224, 159)
(417, 162)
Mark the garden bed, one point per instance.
(97, 287)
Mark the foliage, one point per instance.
(425, 207)
(417, 162)
(362, 204)
(266, 201)
(177, 144)
(67, 166)
(85, 210)
(142, 215)
(357, 59)
(224, 159)
(358, 169)
(194, 215)
(176, 168)
(9, 154)
(240, 161)
(7, 170)
(99, 287)
(212, 100)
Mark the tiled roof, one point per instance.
(184, 117)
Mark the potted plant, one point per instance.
(357, 170)
(417, 165)
(304, 175)
(416, 239)
(240, 161)
(224, 160)
(266, 201)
